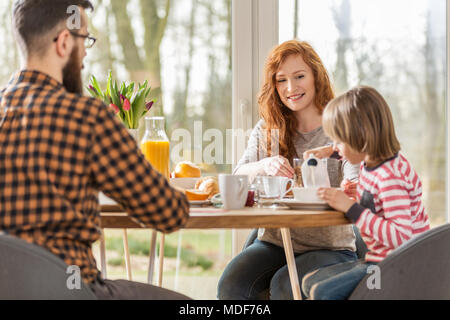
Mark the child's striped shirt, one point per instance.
(390, 210)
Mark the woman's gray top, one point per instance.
(306, 239)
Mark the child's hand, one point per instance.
(320, 153)
(349, 188)
(336, 198)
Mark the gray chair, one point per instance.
(419, 269)
(30, 272)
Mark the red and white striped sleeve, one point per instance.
(394, 225)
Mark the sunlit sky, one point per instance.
(385, 21)
(377, 19)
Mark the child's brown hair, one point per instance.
(361, 118)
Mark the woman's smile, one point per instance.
(297, 97)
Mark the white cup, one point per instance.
(271, 187)
(233, 191)
(308, 195)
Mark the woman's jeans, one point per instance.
(335, 282)
(261, 269)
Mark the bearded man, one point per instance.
(58, 149)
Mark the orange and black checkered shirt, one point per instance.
(57, 151)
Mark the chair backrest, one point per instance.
(28, 271)
(250, 239)
(419, 269)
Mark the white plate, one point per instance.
(197, 203)
(299, 205)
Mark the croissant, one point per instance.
(208, 185)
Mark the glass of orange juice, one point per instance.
(156, 146)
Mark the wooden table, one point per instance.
(210, 218)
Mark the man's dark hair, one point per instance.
(32, 19)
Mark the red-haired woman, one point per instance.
(296, 90)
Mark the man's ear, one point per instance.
(64, 44)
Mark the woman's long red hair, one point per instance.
(275, 114)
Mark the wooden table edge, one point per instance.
(113, 218)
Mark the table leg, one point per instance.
(126, 251)
(103, 253)
(161, 259)
(287, 243)
(151, 265)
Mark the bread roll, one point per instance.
(208, 185)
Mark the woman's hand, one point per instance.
(320, 153)
(336, 198)
(349, 188)
(277, 166)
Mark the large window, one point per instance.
(183, 47)
(398, 47)
(9, 54)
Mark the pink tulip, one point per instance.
(126, 105)
(149, 105)
(114, 107)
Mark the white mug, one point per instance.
(233, 191)
(274, 187)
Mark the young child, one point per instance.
(390, 210)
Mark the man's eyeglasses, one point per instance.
(88, 40)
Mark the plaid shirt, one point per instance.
(57, 150)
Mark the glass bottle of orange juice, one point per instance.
(156, 146)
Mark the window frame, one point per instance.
(255, 32)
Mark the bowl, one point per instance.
(184, 183)
(308, 195)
